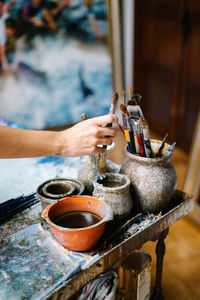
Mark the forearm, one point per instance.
(81, 139)
(28, 143)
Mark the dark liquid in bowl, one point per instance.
(58, 189)
(77, 219)
(112, 183)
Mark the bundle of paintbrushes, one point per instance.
(136, 129)
(14, 206)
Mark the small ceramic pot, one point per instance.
(153, 181)
(78, 239)
(114, 189)
(57, 188)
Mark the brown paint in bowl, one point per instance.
(85, 237)
(77, 219)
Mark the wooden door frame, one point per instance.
(192, 182)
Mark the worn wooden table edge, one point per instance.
(109, 258)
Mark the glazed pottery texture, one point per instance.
(114, 189)
(78, 239)
(153, 181)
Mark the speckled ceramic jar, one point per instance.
(153, 181)
(117, 196)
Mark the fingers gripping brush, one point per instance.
(84, 117)
(128, 130)
(115, 98)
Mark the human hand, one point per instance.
(84, 137)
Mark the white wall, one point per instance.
(122, 37)
(128, 41)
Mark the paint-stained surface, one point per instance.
(31, 263)
(118, 241)
(23, 176)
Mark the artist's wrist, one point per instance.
(62, 140)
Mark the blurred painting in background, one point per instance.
(54, 61)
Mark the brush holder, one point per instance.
(96, 165)
(153, 181)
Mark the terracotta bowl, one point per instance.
(78, 239)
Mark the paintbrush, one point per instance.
(129, 95)
(158, 153)
(139, 138)
(146, 138)
(14, 206)
(115, 97)
(136, 98)
(170, 149)
(123, 97)
(124, 110)
(134, 108)
(131, 102)
(128, 130)
(84, 117)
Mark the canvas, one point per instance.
(54, 61)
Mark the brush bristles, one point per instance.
(115, 98)
(133, 101)
(137, 98)
(129, 91)
(84, 117)
(124, 109)
(123, 93)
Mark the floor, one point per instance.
(181, 271)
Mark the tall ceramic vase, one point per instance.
(96, 165)
(153, 181)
